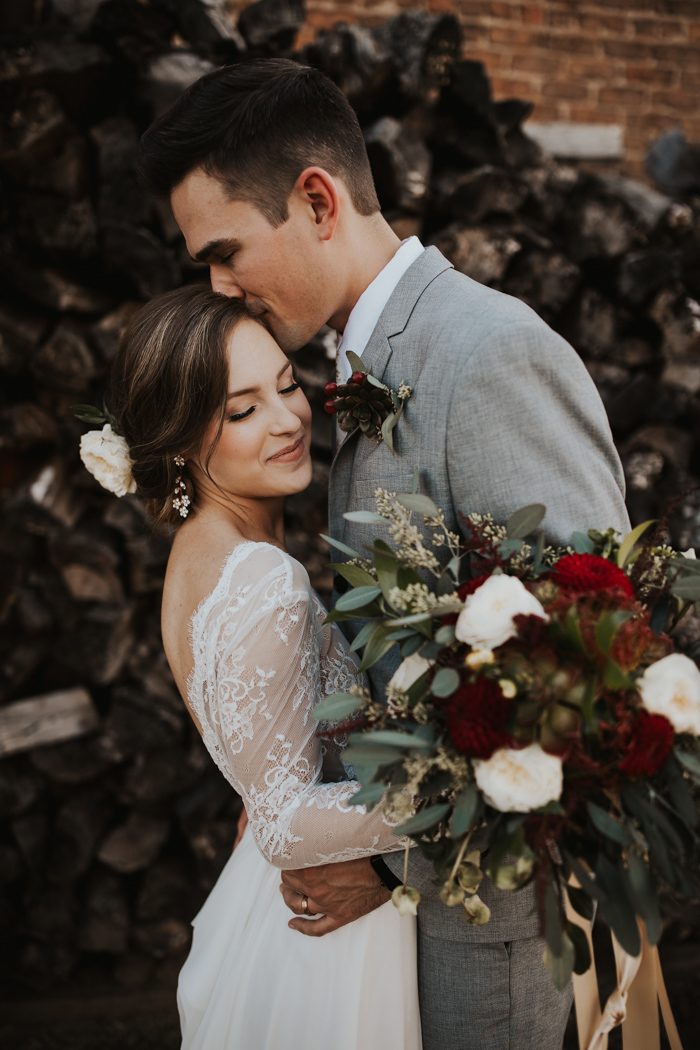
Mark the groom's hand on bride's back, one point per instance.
(339, 893)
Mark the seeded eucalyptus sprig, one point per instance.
(366, 404)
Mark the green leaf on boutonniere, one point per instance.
(355, 362)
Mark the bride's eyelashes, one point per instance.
(237, 416)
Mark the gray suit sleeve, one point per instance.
(526, 425)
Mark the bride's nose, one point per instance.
(284, 421)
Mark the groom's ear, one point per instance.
(320, 193)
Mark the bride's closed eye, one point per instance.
(237, 416)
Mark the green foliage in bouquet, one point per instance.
(541, 724)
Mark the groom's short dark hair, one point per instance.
(255, 126)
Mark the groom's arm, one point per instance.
(340, 893)
(526, 425)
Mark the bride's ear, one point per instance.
(320, 193)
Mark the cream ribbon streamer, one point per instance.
(634, 1003)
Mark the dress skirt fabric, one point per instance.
(251, 983)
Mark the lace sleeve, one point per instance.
(258, 647)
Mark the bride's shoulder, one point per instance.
(217, 565)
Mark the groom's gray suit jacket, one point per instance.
(503, 414)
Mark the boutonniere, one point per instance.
(367, 403)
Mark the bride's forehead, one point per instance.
(253, 352)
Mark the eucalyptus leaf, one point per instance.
(607, 627)
(681, 794)
(614, 677)
(687, 588)
(354, 574)
(553, 931)
(396, 738)
(445, 635)
(525, 520)
(691, 761)
(365, 517)
(607, 825)
(364, 634)
(508, 547)
(355, 362)
(368, 795)
(418, 502)
(387, 430)
(644, 896)
(411, 646)
(377, 383)
(464, 812)
(582, 543)
(617, 909)
(629, 542)
(561, 966)
(340, 546)
(376, 648)
(362, 754)
(337, 706)
(357, 598)
(427, 818)
(445, 682)
(387, 572)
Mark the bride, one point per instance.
(219, 431)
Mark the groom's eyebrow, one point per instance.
(222, 246)
(254, 389)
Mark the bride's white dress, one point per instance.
(262, 660)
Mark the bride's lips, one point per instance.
(289, 454)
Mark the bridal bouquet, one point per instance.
(542, 724)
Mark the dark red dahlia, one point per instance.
(588, 573)
(648, 745)
(465, 589)
(477, 716)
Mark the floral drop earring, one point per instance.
(181, 501)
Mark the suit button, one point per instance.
(340, 584)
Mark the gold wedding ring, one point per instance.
(304, 904)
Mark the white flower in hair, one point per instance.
(106, 456)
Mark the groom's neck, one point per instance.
(369, 244)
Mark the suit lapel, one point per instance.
(376, 355)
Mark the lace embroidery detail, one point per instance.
(262, 660)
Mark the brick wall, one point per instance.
(629, 62)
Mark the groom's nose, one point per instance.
(223, 281)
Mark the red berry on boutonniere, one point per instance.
(330, 407)
(330, 389)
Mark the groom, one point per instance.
(268, 178)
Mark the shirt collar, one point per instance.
(368, 308)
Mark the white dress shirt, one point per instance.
(368, 308)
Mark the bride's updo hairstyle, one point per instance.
(169, 381)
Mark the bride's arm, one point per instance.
(266, 682)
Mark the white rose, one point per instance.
(671, 687)
(106, 456)
(515, 781)
(409, 671)
(486, 621)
